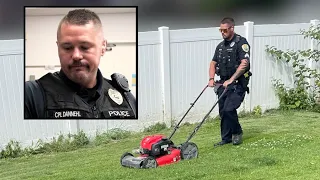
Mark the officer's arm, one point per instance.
(121, 82)
(244, 55)
(33, 101)
(212, 69)
(132, 102)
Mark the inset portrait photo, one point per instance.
(80, 63)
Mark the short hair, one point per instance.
(80, 17)
(228, 20)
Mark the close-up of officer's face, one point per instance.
(226, 30)
(80, 48)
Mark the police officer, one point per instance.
(231, 63)
(79, 90)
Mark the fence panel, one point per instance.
(173, 68)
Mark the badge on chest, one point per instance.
(115, 96)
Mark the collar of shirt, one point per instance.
(229, 41)
(86, 93)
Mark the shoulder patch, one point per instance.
(245, 47)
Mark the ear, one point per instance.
(104, 46)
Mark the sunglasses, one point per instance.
(224, 30)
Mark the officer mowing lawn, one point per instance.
(79, 90)
(231, 63)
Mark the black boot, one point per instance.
(221, 143)
(237, 139)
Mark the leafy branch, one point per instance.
(302, 96)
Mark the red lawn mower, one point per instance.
(158, 150)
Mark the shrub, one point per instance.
(303, 94)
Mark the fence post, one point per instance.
(313, 46)
(249, 36)
(165, 74)
(73, 126)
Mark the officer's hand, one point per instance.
(227, 82)
(211, 83)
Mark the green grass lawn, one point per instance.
(278, 145)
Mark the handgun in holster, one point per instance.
(244, 80)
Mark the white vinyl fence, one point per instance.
(173, 69)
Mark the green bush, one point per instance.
(303, 94)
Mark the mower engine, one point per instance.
(155, 145)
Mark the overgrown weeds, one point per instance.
(70, 142)
(156, 127)
(111, 135)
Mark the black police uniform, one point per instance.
(56, 96)
(228, 56)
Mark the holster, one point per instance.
(244, 80)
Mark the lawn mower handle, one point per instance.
(205, 117)
(192, 104)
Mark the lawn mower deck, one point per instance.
(157, 150)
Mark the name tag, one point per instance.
(69, 114)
